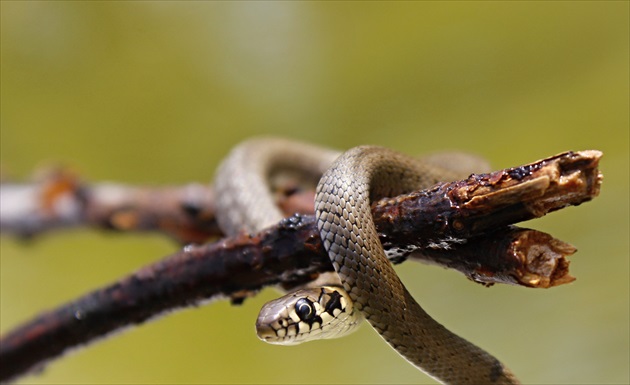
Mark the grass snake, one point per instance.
(366, 284)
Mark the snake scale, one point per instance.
(366, 283)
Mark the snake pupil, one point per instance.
(304, 309)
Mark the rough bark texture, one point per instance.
(465, 225)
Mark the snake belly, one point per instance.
(361, 175)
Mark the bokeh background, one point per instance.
(158, 92)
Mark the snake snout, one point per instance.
(265, 332)
(264, 328)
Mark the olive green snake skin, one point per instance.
(349, 183)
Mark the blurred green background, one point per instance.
(158, 92)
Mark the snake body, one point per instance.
(242, 181)
(371, 288)
(344, 219)
(244, 202)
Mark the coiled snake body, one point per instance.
(344, 220)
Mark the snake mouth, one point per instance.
(266, 333)
(269, 330)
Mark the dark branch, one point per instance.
(463, 225)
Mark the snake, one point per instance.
(365, 285)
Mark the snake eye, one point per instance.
(305, 309)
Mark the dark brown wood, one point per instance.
(463, 225)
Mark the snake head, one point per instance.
(307, 314)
